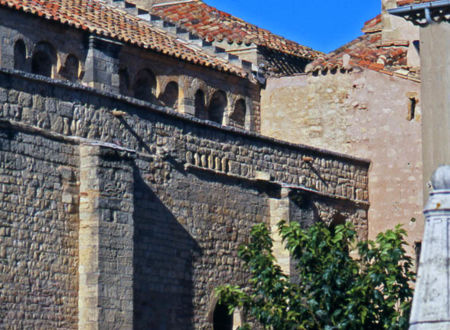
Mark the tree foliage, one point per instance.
(342, 283)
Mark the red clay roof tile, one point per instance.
(411, 2)
(370, 52)
(96, 17)
(212, 24)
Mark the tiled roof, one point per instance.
(411, 2)
(212, 24)
(98, 18)
(369, 52)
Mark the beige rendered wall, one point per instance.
(363, 114)
(435, 56)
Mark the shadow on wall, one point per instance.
(163, 264)
(303, 211)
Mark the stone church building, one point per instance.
(136, 153)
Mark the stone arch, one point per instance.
(71, 68)
(200, 105)
(44, 59)
(170, 96)
(217, 106)
(193, 86)
(219, 318)
(144, 86)
(222, 320)
(237, 117)
(20, 55)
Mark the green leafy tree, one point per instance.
(342, 283)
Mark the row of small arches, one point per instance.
(44, 59)
(144, 88)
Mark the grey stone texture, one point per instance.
(117, 213)
(159, 200)
(38, 231)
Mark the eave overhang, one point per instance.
(423, 14)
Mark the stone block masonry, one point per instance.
(38, 232)
(105, 238)
(145, 207)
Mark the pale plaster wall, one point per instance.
(363, 114)
(435, 56)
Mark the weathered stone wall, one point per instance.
(101, 59)
(364, 114)
(38, 231)
(188, 189)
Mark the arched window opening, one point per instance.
(222, 320)
(200, 106)
(217, 107)
(238, 116)
(145, 85)
(71, 67)
(20, 54)
(124, 81)
(44, 58)
(170, 96)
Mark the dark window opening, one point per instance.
(238, 116)
(19, 55)
(44, 58)
(222, 320)
(412, 108)
(417, 250)
(41, 64)
(170, 95)
(71, 67)
(416, 44)
(124, 81)
(217, 107)
(200, 106)
(144, 86)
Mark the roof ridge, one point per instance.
(172, 3)
(180, 34)
(252, 35)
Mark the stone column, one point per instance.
(105, 297)
(102, 64)
(431, 304)
(279, 210)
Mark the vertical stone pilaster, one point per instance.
(280, 210)
(102, 64)
(105, 298)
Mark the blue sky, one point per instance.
(323, 25)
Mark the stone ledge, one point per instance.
(172, 113)
(60, 137)
(278, 185)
